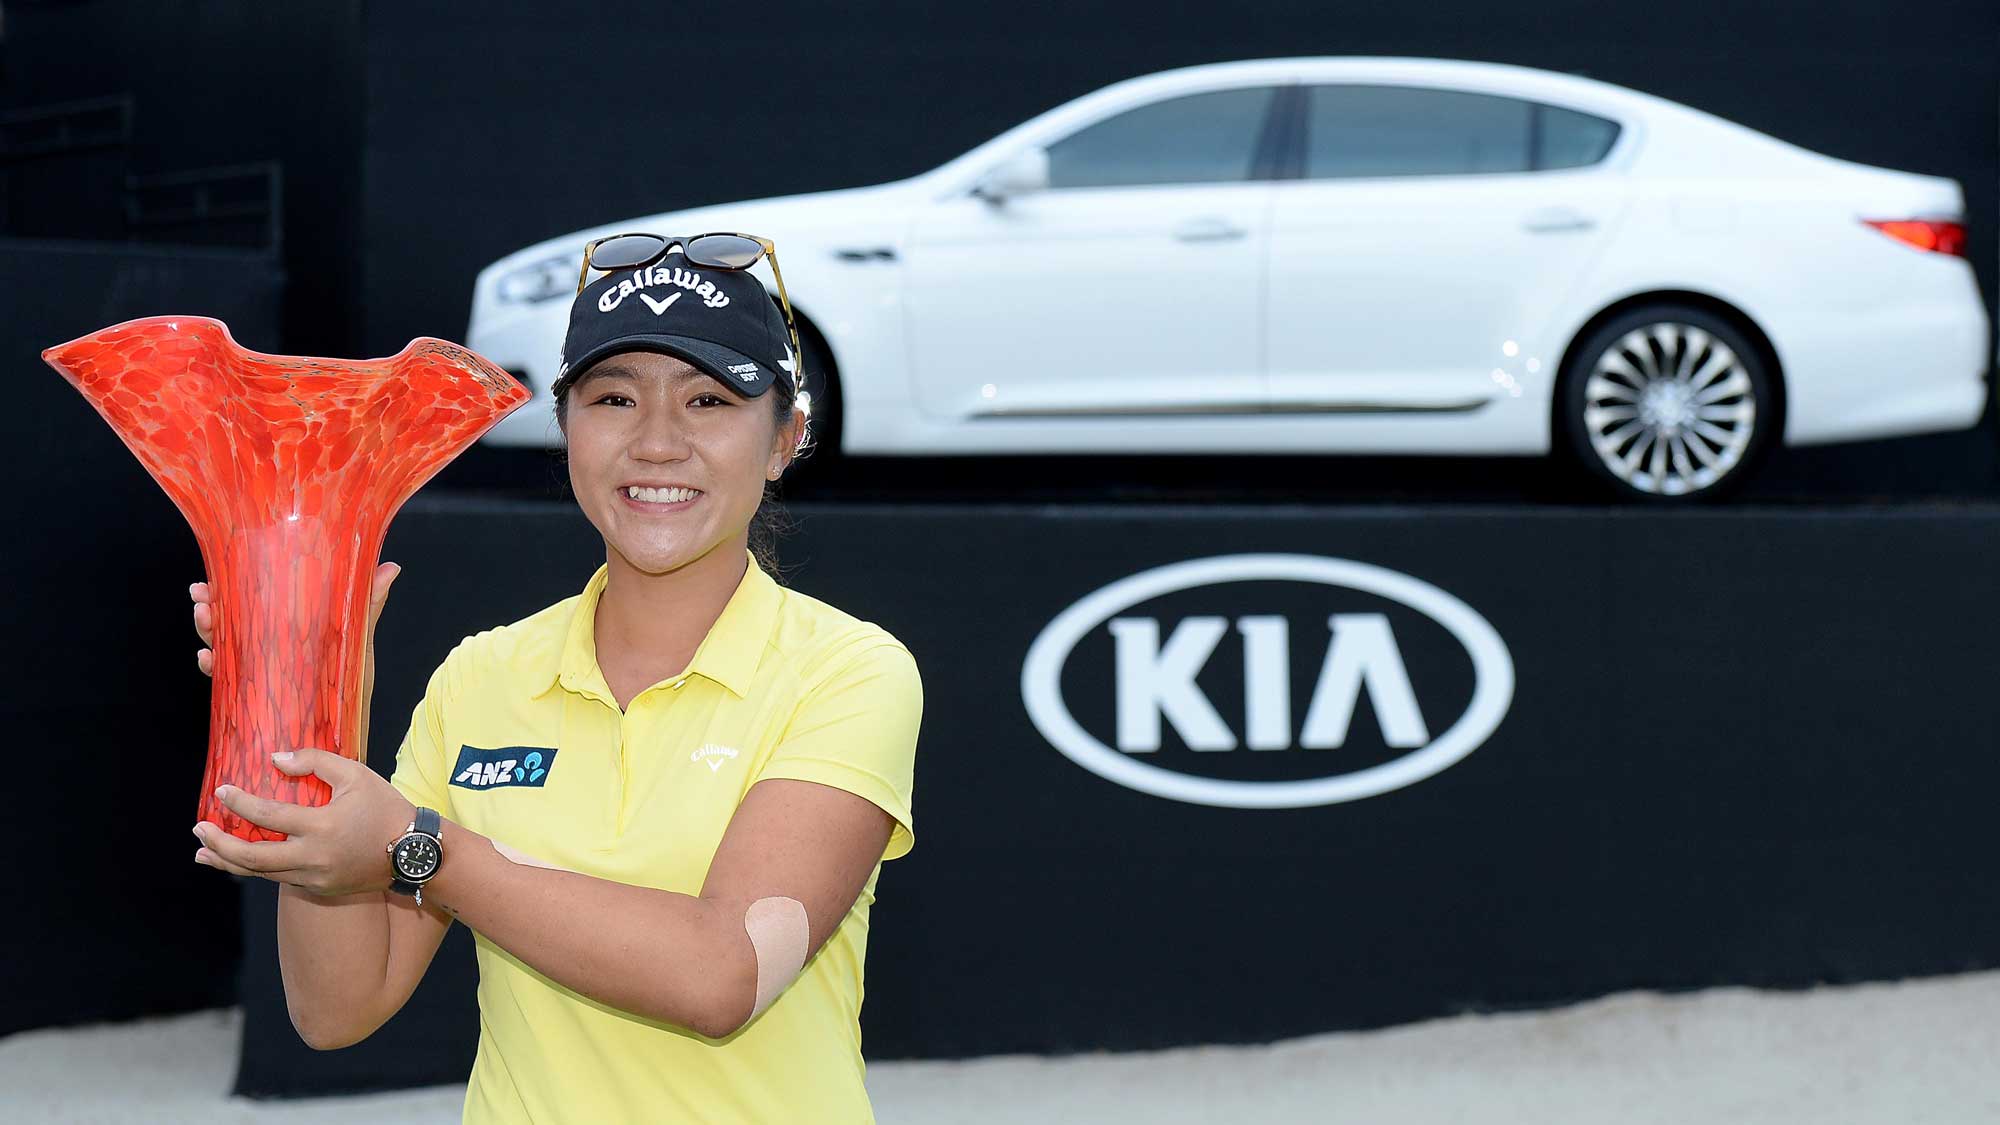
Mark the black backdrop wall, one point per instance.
(421, 141)
(210, 84)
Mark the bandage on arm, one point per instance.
(781, 935)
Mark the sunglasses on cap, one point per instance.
(722, 251)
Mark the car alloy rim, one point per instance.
(1669, 409)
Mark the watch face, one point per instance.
(416, 857)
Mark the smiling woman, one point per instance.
(671, 906)
(657, 402)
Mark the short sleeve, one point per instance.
(857, 730)
(421, 769)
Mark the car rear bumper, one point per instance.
(1893, 371)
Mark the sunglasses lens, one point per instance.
(625, 251)
(724, 251)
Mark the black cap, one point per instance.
(721, 321)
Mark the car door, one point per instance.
(1428, 237)
(1130, 286)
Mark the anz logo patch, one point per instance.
(509, 766)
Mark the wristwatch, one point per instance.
(414, 856)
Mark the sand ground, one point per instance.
(1910, 1053)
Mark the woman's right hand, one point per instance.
(204, 627)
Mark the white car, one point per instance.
(1353, 255)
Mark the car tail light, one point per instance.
(1924, 234)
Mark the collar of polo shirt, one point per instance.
(729, 655)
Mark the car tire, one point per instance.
(1667, 404)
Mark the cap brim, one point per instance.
(710, 357)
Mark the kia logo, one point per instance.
(1155, 679)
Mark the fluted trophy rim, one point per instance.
(416, 346)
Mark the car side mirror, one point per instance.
(1024, 172)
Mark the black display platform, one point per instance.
(1739, 747)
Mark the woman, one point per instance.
(662, 803)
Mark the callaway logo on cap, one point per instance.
(721, 321)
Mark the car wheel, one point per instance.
(1668, 404)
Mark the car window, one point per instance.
(1354, 131)
(1565, 138)
(1196, 138)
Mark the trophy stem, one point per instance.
(290, 609)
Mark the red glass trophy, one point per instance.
(289, 468)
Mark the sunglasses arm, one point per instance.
(791, 326)
(583, 271)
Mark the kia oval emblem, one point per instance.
(1492, 693)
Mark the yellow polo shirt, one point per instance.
(519, 738)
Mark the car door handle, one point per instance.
(1208, 228)
(1554, 220)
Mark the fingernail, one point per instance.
(221, 791)
(282, 755)
(197, 833)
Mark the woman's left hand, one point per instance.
(339, 848)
